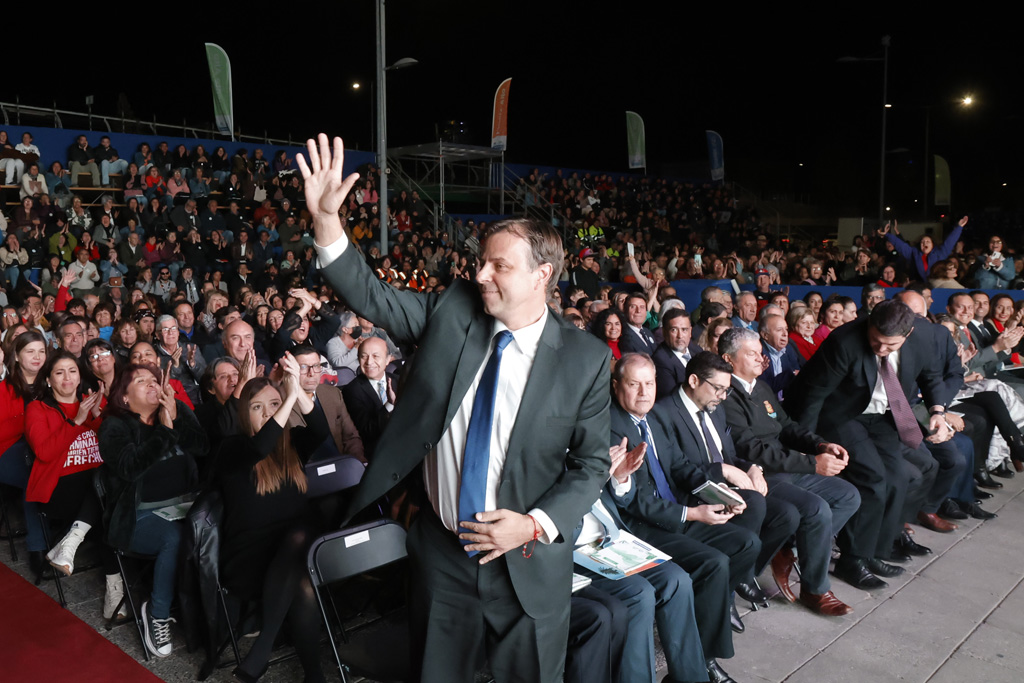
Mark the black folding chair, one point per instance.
(5, 524)
(380, 651)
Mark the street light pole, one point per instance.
(886, 40)
(382, 132)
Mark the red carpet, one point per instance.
(43, 642)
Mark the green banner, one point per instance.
(636, 140)
(220, 78)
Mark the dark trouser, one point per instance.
(74, 499)
(461, 612)
(951, 464)
(979, 428)
(876, 468)
(14, 471)
(717, 558)
(963, 487)
(598, 626)
(662, 594)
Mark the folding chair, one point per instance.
(5, 524)
(120, 555)
(383, 653)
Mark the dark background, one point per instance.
(770, 84)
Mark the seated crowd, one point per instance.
(169, 347)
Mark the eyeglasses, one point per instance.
(318, 369)
(164, 272)
(99, 354)
(722, 392)
(165, 330)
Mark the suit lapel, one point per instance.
(538, 385)
(683, 415)
(474, 349)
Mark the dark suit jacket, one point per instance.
(368, 413)
(792, 361)
(843, 372)
(670, 370)
(631, 342)
(557, 457)
(343, 431)
(646, 509)
(688, 436)
(776, 443)
(982, 334)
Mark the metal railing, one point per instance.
(13, 113)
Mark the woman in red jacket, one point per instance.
(61, 431)
(26, 356)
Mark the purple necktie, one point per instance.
(902, 415)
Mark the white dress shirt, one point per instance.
(879, 402)
(694, 411)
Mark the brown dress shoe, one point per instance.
(826, 604)
(782, 566)
(930, 520)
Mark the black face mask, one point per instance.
(357, 331)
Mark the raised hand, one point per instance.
(324, 186)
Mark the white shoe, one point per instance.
(62, 556)
(114, 598)
(157, 632)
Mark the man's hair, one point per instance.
(303, 349)
(705, 364)
(868, 289)
(672, 314)
(768, 310)
(892, 318)
(973, 292)
(627, 360)
(636, 295)
(918, 287)
(742, 295)
(729, 341)
(957, 295)
(545, 245)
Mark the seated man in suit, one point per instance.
(662, 511)
(784, 361)
(663, 593)
(675, 352)
(793, 458)
(867, 370)
(636, 338)
(986, 358)
(704, 438)
(746, 311)
(327, 405)
(370, 398)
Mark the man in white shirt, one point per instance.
(509, 435)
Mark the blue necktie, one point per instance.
(476, 457)
(655, 466)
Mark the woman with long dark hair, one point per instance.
(149, 443)
(25, 357)
(268, 525)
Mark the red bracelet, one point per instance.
(536, 535)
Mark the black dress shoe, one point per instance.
(751, 593)
(911, 547)
(735, 621)
(1003, 471)
(950, 509)
(881, 568)
(857, 574)
(985, 480)
(899, 554)
(976, 511)
(980, 494)
(716, 674)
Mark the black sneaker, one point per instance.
(157, 631)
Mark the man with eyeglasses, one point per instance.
(328, 405)
(164, 285)
(186, 362)
(701, 432)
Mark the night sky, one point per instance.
(771, 85)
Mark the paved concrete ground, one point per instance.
(956, 616)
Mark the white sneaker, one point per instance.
(114, 598)
(62, 556)
(157, 632)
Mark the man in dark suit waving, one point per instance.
(512, 439)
